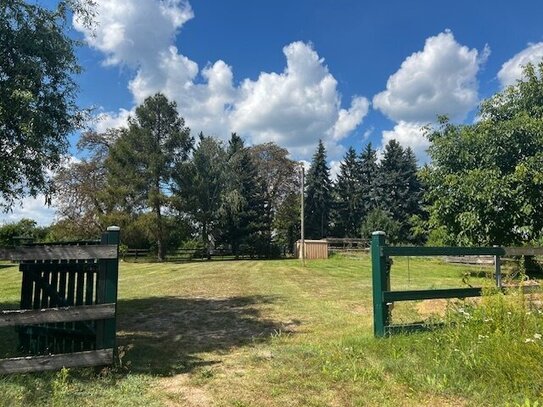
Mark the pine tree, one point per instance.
(347, 209)
(143, 158)
(318, 196)
(368, 172)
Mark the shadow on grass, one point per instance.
(166, 335)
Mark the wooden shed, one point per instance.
(314, 249)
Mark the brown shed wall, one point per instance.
(314, 249)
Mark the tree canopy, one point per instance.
(318, 196)
(485, 184)
(143, 158)
(38, 92)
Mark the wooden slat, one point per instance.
(64, 314)
(523, 251)
(441, 251)
(61, 252)
(56, 362)
(411, 295)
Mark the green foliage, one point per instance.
(286, 222)
(369, 170)
(143, 158)
(379, 219)
(398, 188)
(318, 192)
(11, 234)
(348, 200)
(485, 185)
(245, 218)
(487, 350)
(37, 97)
(199, 185)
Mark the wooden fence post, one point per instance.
(108, 290)
(381, 283)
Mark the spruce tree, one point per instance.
(398, 187)
(244, 212)
(199, 184)
(347, 209)
(368, 172)
(318, 196)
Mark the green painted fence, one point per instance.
(67, 314)
(383, 297)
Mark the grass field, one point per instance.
(271, 333)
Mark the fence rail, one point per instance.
(383, 297)
(59, 252)
(28, 364)
(67, 314)
(49, 315)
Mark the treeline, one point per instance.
(482, 186)
(168, 190)
(368, 194)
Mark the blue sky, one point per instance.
(348, 72)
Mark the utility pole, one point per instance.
(302, 216)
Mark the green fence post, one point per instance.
(380, 282)
(111, 278)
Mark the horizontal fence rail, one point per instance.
(383, 297)
(412, 295)
(442, 251)
(49, 315)
(59, 252)
(28, 364)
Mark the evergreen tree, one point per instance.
(398, 188)
(347, 211)
(318, 196)
(199, 185)
(142, 159)
(244, 210)
(368, 172)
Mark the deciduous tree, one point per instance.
(38, 92)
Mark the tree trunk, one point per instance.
(160, 232)
(205, 238)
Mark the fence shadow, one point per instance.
(164, 335)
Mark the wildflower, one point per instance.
(528, 340)
(537, 336)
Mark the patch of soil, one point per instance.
(182, 393)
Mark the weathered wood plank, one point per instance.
(51, 315)
(61, 252)
(56, 362)
(523, 251)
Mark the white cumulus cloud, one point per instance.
(298, 106)
(440, 79)
(512, 69)
(294, 108)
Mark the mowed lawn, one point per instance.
(257, 333)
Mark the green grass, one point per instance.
(271, 333)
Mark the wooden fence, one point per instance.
(67, 315)
(383, 297)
